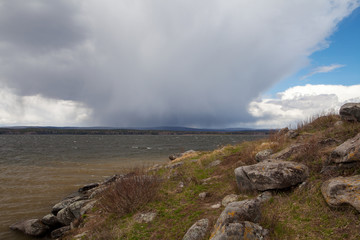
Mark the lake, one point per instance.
(37, 171)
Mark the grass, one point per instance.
(298, 213)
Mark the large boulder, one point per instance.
(58, 233)
(241, 231)
(71, 212)
(246, 210)
(342, 190)
(51, 220)
(350, 112)
(347, 152)
(197, 231)
(32, 227)
(270, 174)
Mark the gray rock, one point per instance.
(71, 212)
(216, 206)
(197, 231)
(145, 217)
(32, 227)
(262, 155)
(246, 210)
(347, 152)
(174, 156)
(350, 112)
(287, 152)
(57, 233)
(88, 206)
(214, 163)
(264, 197)
(88, 187)
(64, 203)
(270, 174)
(65, 216)
(292, 134)
(342, 190)
(203, 195)
(240, 231)
(174, 165)
(51, 220)
(229, 199)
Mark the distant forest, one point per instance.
(85, 131)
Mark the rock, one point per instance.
(342, 190)
(347, 152)
(63, 204)
(76, 207)
(328, 142)
(88, 206)
(71, 212)
(283, 131)
(236, 212)
(350, 112)
(229, 199)
(214, 163)
(145, 217)
(65, 216)
(287, 152)
(32, 227)
(216, 206)
(174, 156)
(88, 187)
(80, 236)
(203, 195)
(338, 124)
(113, 178)
(240, 231)
(292, 134)
(197, 231)
(262, 155)
(51, 220)
(174, 165)
(97, 191)
(264, 197)
(270, 174)
(57, 233)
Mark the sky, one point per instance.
(204, 63)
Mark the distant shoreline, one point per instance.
(81, 131)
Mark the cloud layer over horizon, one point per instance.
(155, 62)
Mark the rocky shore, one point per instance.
(320, 158)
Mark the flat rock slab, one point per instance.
(342, 190)
(270, 175)
(347, 152)
(287, 152)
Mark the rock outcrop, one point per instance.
(347, 152)
(32, 227)
(342, 190)
(350, 112)
(270, 174)
(198, 230)
(287, 152)
(241, 231)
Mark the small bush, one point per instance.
(130, 193)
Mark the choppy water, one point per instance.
(37, 171)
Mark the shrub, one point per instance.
(130, 193)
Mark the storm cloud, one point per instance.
(156, 62)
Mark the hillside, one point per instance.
(165, 201)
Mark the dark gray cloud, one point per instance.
(142, 63)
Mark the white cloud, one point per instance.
(40, 111)
(323, 69)
(300, 103)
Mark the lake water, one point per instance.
(37, 171)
